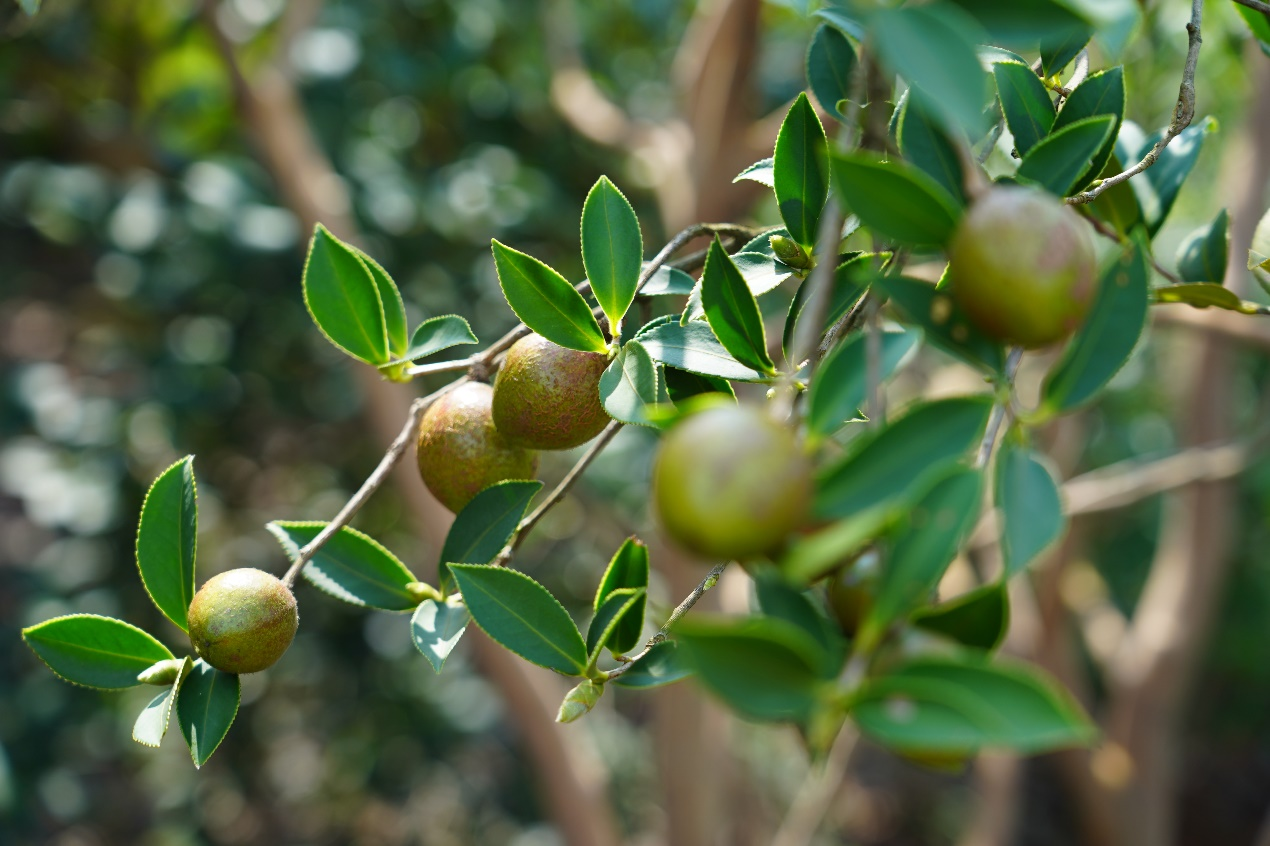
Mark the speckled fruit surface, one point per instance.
(241, 621)
(730, 482)
(461, 453)
(1022, 266)
(547, 396)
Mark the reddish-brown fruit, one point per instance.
(1022, 266)
(242, 621)
(547, 396)
(461, 453)
(730, 483)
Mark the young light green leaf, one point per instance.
(896, 200)
(627, 569)
(942, 321)
(978, 619)
(1204, 295)
(830, 61)
(798, 168)
(733, 312)
(662, 665)
(1101, 93)
(350, 566)
(1203, 254)
(394, 309)
(523, 616)
(167, 537)
(205, 708)
(546, 302)
(152, 722)
(1029, 111)
(1059, 160)
(613, 613)
(436, 628)
(1031, 509)
(838, 390)
(481, 530)
(693, 347)
(612, 249)
(629, 384)
(579, 701)
(761, 172)
(667, 280)
(94, 651)
(436, 334)
(924, 144)
(1104, 343)
(343, 298)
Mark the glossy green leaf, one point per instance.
(343, 298)
(1061, 158)
(896, 200)
(627, 569)
(694, 347)
(629, 384)
(924, 144)
(899, 461)
(618, 607)
(761, 272)
(350, 566)
(667, 280)
(1029, 111)
(838, 389)
(978, 619)
(546, 302)
(1030, 506)
(761, 172)
(1157, 187)
(1110, 332)
(205, 708)
(1204, 295)
(733, 312)
(798, 169)
(1027, 23)
(152, 723)
(662, 665)
(167, 539)
(436, 334)
(681, 385)
(394, 309)
(612, 249)
(484, 526)
(830, 62)
(94, 651)
(1101, 93)
(1203, 254)
(942, 321)
(436, 628)
(523, 616)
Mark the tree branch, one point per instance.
(1258, 5)
(817, 792)
(999, 409)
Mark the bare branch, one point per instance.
(1263, 8)
(817, 792)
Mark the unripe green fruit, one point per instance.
(241, 621)
(1022, 266)
(730, 482)
(547, 396)
(461, 453)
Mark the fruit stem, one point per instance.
(999, 408)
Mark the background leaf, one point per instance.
(942, 321)
(668, 280)
(436, 628)
(733, 312)
(205, 708)
(830, 62)
(612, 249)
(978, 619)
(1029, 111)
(924, 144)
(662, 665)
(545, 302)
(896, 200)
(628, 384)
(94, 651)
(484, 526)
(1158, 186)
(1059, 160)
(343, 299)
(798, 170)
(1031, 509)
(1028, 23)
(167, 537)
(350, 566)
(693, 347)
(837, 392)
(1204, 295)
(1202, 255)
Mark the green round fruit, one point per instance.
(1022, 266)
(461, 453)
(730, 483)
(241, 621)
(547, 396)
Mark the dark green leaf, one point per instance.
(830, 61)
(1060, 159)
(1119, 205)
(978, 619)
(838, 390)
(1202, 256)
(394, 309)
(1158, 186)
(1026, 23)
(436, 334)
(1029, 111)
(436, 628)
(841, 20)
(523, 616)
(167, 537)
(762, 272)
(682, 385)
(668, 280)
(350, 566)
(942, 321)
(1101, 93)
(628, 384)
(662, 665)
(693, 347)
(925, 145)
(798, 170)
(1204, 295)
(896, 200)
(777, 598)
(612, 249)
(761, 172)
(205, 708)
(627, 569)
(733, 312)
(94, 651)
(152, 722)
(618, 607)
(343, 299)
(481, 530)
(546, 302)
(1031, 508)
(1059, 54)
(850, 280)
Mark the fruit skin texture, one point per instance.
(730, 482)
(1022, 266)
(241, 621)
(547, 396)
(461, 453)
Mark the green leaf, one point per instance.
(762, 272)
(205, 708)
(1029, 111)
(925, 145)
(545, 302)
(31, 7)
(1157, 187)
(520, 614)
(1203, 254)
(1101, 93)
(1259, 250)
(629, 384)
(343, 298)
(394, 309)
(896, 200)
(978, 619)
(763, 668)
(933, 47)
(798, 170)
(667, 280)
(579, 701)
(1258, 22)
(1060, 159)
(436, 628)
(733, 312)
(1031, 509)
(612, 249)
(693, 347)
(662, 665)
(94, 651)
(838, 390)
(942, 321)
(1119, 205)
(436, 334)
(850, 280)
(152, 722)
(1027, 23)
(900, 460)
(761, 172)
(842, 20)
(781, 600)
(167, 538)
(937, 526)
(811, 556)
(962, 705)
(830, 62)
(627, 569)
(350, 566)
(1204, 295)
(617, 609)
(1107, 338)
(484, 526)
(681, 385)
(1059, 54)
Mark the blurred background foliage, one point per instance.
(150, 307)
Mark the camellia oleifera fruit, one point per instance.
(461, 453)
(729, 482)
(1022, 266)
(547, 396)
(241, 621)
